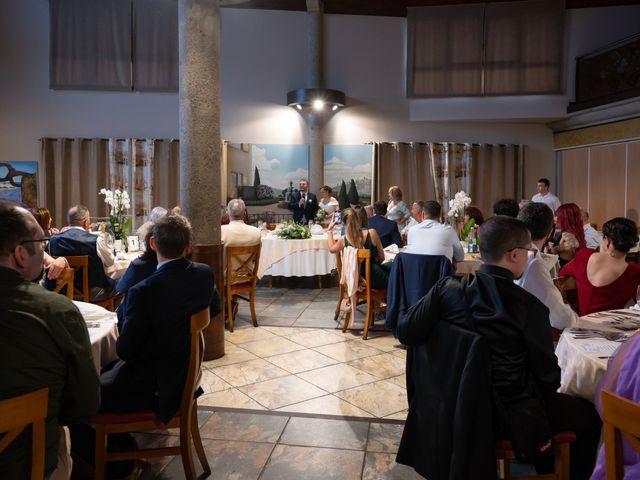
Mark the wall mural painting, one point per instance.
(347, 170)
(18, 182)
(264, 176)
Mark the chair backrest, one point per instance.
(569, 291)
(199, 322)
(81, 266)
(339, 263)
(16, 414)
(620, 417)
(364, 257)
(242, 264)
(65, 280)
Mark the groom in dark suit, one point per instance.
(154, 342)
(303, 204)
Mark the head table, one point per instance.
(295, 258)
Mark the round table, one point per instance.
(103, 332)
(295, 258)
(121, 263)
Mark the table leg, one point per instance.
(320, 281)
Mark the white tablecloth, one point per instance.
(122, 261)
(103, 332)
(295, 258)
(470, 264)
(580, 359)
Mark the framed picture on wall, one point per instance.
(18, 182)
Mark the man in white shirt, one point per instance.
(237, 233)
(545, 196)
(591, 236)
(430, 237)
(536, 278)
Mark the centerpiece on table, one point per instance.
(457, 205)
(321, 215)
(293, 231)
(119, 203)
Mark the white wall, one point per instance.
(263, 56)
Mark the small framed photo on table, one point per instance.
(133, 243)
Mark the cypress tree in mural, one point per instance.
(256, 177)
(354, 198)
(343, 198)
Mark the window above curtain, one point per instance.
(491, 49)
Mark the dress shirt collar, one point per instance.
(496, 271)
(78, 228)
(430, 222)
(162, 264)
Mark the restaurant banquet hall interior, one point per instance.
(191, 104)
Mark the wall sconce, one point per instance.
(316, 98)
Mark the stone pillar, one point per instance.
(315, 79)
(200, 146)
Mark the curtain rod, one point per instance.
(442, 143)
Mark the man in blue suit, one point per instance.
(387, 229)
(154, 342)
(303, 204)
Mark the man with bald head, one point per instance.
(44, 343)
(78, 241)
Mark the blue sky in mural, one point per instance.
(344, 162)
(279, 164)
(7, 191)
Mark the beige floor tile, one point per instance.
(399, 352)
(232, 354)
(380, 398)
(284, 331)
(400, 380)
(301, 361)
(281, 391)
(316, 338)
(210, 382)
(383, 341)
(244, 373)
(327, 405)
(246, 334)
(231, 398)
(401, 415)
(337, 377)
(272, 346)
(347, 351)
(382, 366)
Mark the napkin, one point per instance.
(393, 248)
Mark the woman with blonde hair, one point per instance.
(396, 209)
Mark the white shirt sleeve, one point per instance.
(106, 255)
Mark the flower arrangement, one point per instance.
(293, 231)
(119, 203)
(457, 205)
(321, 215)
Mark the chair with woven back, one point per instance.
(65, 281)
(80, 265)
(18, 413)
(620, 419)
(371, 297)
(186, 419)
(241, 275)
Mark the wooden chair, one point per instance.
(569, 291)
(372, 298)
(65, 280)
(186, 419)
(241, 275)
(341, 293)
(620, 417)
(561, 444)
(17, 413)
(81, 264)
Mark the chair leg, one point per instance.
(230, 311)
(347, 317)
(197, 441)
(320, 282)
(367, 319)
(185, 449)
(563, 464)
(100, 453)
(340, 295)
(505, 469)
(253, 308)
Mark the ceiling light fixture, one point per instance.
(317, 98)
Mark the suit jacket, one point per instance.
(387, 230)
(154, 342)
(308, 211)
(137, 271)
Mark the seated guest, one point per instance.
(506, 206)
(569, 223)
(499, 345)
(386, 229)
(156, 214)
(397, 210)
(357, 236)
(44, 343)
(472, 218)
(604, 279)
(142, 267)
(328, 203)
(154, 343)
(43, 217)
(416, 215)
(77, 241)
(536, 278)
(430, 237)
(592, 238)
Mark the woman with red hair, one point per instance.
(569, 222)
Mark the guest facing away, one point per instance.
(545, 196)
(592, 238)
(604, 279)
(237, 233)
(154, 343)
(387, 230)
(303, 204)
(430, 237)
(77, 241)
(536, 278)
(501, 353)
(506, 206)
(44, 343)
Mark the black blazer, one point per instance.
(308, 211)
(154, 342)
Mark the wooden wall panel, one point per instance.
(574, 177)
(633, 181)
(607, 182)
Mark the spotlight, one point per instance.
(318, 104)
(334, 108)
(298, 106)
(316, 98)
